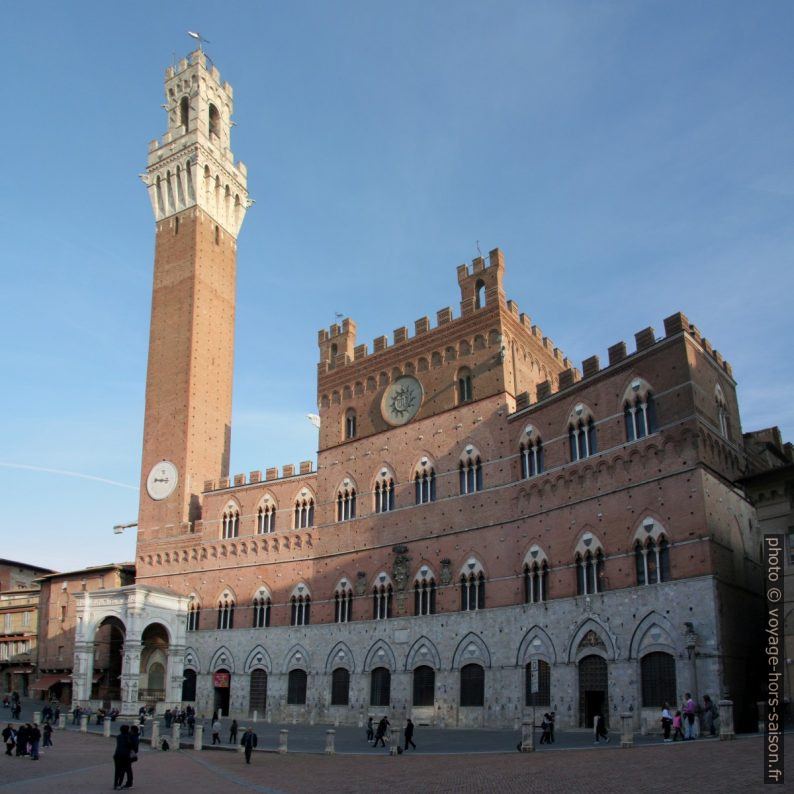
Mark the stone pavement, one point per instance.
(83, 763)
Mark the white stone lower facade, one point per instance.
(677, 619)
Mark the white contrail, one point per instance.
(68, 474)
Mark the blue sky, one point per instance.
(632, 159)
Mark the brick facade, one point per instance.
(656, 451)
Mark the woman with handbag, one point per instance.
(134, 744)
(121, 757)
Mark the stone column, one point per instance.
(627, 725)
(726, 720)
(198, 737)
(37, 717)
(527, 737)
(394, 743)
(62, 722)
(84, 723)
(130, 677)
(155, 733)
(176, 735)
(282, 740)
(82, 673)
(329, 741)
(174, 676)
(106, 728)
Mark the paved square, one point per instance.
(83, 763)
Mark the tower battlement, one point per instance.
(192, 165)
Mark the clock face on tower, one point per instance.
(401, 400)
(162, 480)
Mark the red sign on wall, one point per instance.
(221, 680)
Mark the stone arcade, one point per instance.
(487, 530)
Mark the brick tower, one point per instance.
(199, 199)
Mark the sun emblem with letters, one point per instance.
(401, 400)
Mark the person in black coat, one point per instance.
(248, 742)
(121, 757)
(10, 738)
(22, 740)
(380, 733)
(409, 735)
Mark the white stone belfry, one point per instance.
(193, 164)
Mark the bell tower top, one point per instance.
(193, 165)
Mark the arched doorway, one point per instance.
(593, 690)
(108, 653)
(189, 686)
(222, 684)
(257, 700)
(154, 664)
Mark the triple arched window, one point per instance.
(425, 485)
(470, 474)
(343, 604)
(226, 612)
(230, 522)
(261, 611)
(304, 512)
(536, 582)
(384, 493)
(531, 458)
(346, 503)
(300, 610)
(266, 518)
(582, 438)
(382, 599)
(640, 416)
(652, 560)
(472, 591)
(590, 577)
(425, 594)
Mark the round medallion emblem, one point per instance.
(401, 400)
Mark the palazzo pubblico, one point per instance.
(487, 528)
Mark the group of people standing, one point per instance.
(682, 723)
(26, 739)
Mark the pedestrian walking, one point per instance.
(409, 734)
(248, 742)
(667, 721)
(233, 733)
(370, 730)
(552, 717)
(121, 757)
(383, 726)
(600, 729)
(216, 731)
